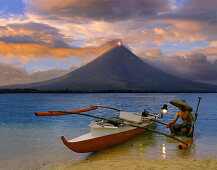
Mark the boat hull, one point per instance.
(99, 143)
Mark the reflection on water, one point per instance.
(134, 147)
(191, 151)
(163, 151)
(145, 146)
(142, 150)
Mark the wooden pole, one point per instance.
(184, 146)
(133, 125)
(158, 121)
(108, 108)
(195, 118)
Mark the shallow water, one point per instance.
(28, 141)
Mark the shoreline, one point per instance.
(140, 164)
(17, 90)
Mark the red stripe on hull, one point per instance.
(102, 142)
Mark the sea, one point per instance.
(32, 142)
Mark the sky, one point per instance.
(42, 39)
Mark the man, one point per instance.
(187, 118)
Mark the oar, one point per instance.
(184, 146)
(195, 118)
(57, 113)
(133, 125)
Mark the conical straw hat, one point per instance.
(181, 103)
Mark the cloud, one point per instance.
(11, 74)
(213, 44)
(193, 65)
(59, 29)
(197, 6)
(192, 20)
(36, 40)
(30, 50)
(157, 28)
(211, 51)
(196, 17)
(150, 52)
(107, 10)
(32, 33)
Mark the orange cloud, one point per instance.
(151, 52)
(30, 50)
(213, 44)
(211, 51)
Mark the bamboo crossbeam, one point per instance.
(158, 121)
(108, 108)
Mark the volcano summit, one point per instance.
(117, 70)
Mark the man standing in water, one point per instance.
(185, 115)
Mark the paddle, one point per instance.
(57, 113)
(133, 125)
(184, 146)
(195, 118)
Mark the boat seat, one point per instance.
(130, 116)
(108, 124)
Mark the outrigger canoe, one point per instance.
(106, 133)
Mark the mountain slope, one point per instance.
(119, 69)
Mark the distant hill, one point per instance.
(117, 70)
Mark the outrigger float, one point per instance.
(107, 132)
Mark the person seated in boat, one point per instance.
(186, 116)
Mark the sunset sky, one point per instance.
(41, 39)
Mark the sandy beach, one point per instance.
(208, 163)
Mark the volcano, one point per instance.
(118, 70)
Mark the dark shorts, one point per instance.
(178, 127)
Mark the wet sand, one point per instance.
(141, 152)
(209, 163)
